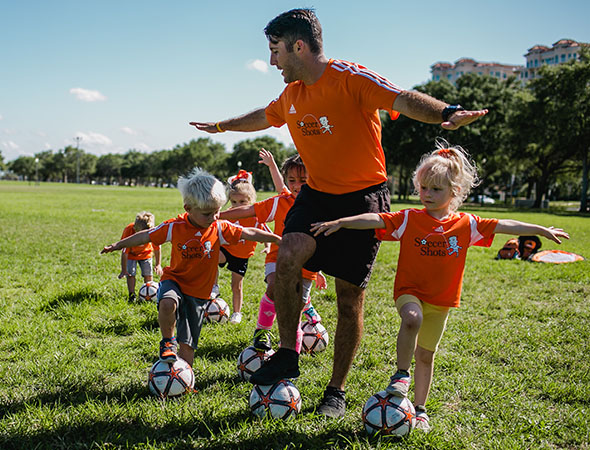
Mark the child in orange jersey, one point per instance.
(195, 238)
(434, 242)
(241, 192)
(274, 209)
(142, 254)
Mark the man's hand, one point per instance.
(462, 118)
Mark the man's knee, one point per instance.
(295, 249)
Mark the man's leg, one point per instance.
(295, 250)
(347, 338)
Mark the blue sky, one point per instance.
(130, 75)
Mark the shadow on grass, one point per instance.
(121, 433)
(74, 297)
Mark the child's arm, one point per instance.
(266, 249)
(254, 234)
(267, 159)
(508, 226)
(123, 265)
(158, 260)
(365, 221)
(239, 212)
(321, 282)
(134, 240)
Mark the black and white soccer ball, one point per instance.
(250, 361)
(167, 380)
(315, 337)
(388, 415)
(281, 400)
(216, 311)
(149, 291)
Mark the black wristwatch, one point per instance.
(450, 110)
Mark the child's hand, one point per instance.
(266, 157)
(159, 270)
(123, 274)
(555, 233)
(320, 281)
(325, 227)
(109, 249)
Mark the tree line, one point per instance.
(534, 142)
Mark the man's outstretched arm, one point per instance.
(252, 121)
(424, 108)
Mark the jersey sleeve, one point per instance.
(274, 111)
(162, 233)
(230, 233)
(482, 234)
(265, 210)
(394, 226)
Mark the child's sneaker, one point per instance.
(399, 384)
(283, 364)
(422, 419)
(215, 291)
(333, 404)
(168, 350)
(132, 298)
(312, 315)
(262, 340)
(235, 317)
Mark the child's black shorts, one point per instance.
(346, 254)
(234, 264)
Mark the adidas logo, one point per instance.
(439, 229)
(292, 109)
(198, 233)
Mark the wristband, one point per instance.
(221, 130)
(450, 110)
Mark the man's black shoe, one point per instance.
(281, 365)
(333, 404)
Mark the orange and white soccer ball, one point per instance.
(149, 291)
(216, 311)
(168, 380)
(281, 400)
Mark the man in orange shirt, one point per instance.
(195, 238)
(332, 110)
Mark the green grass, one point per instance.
(512, 372)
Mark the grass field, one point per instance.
(513, 370)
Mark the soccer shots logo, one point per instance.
(312, 126)
(194, 249)
(438, 245)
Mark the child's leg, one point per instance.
(167, 316)
(186, 352)
(411, 315)
(266, 313)
(148, 278)
(131, 284)
(423, 375)
(237, 283)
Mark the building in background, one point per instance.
(561, 52)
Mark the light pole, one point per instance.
(77, 139)
(37, 171)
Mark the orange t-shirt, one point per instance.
(139, 252)
(335, 125)
(195, 252)
(244, 248)
(432, 253)
(275, 209)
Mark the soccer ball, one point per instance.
(171, 379)
(250, 361)
(281, 400)
(388, 415)
(149, 291)
(216, 311)
(315, 337)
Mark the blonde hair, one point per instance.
(144, 220)
(451, 166)
(242, 187)
(202, 190)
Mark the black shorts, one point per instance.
(346, 254)
(234, 264)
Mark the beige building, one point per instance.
(562, 51)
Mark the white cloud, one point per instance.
(10, 145)
(1, 117)
(87, 95)
(93, 142)
(258, 65)
(129, 131)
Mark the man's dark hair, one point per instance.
(293, 25)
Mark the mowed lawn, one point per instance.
(512, 372)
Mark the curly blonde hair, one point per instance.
(202, 190)
(144, 220)
(242, 187)
(450, 165)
